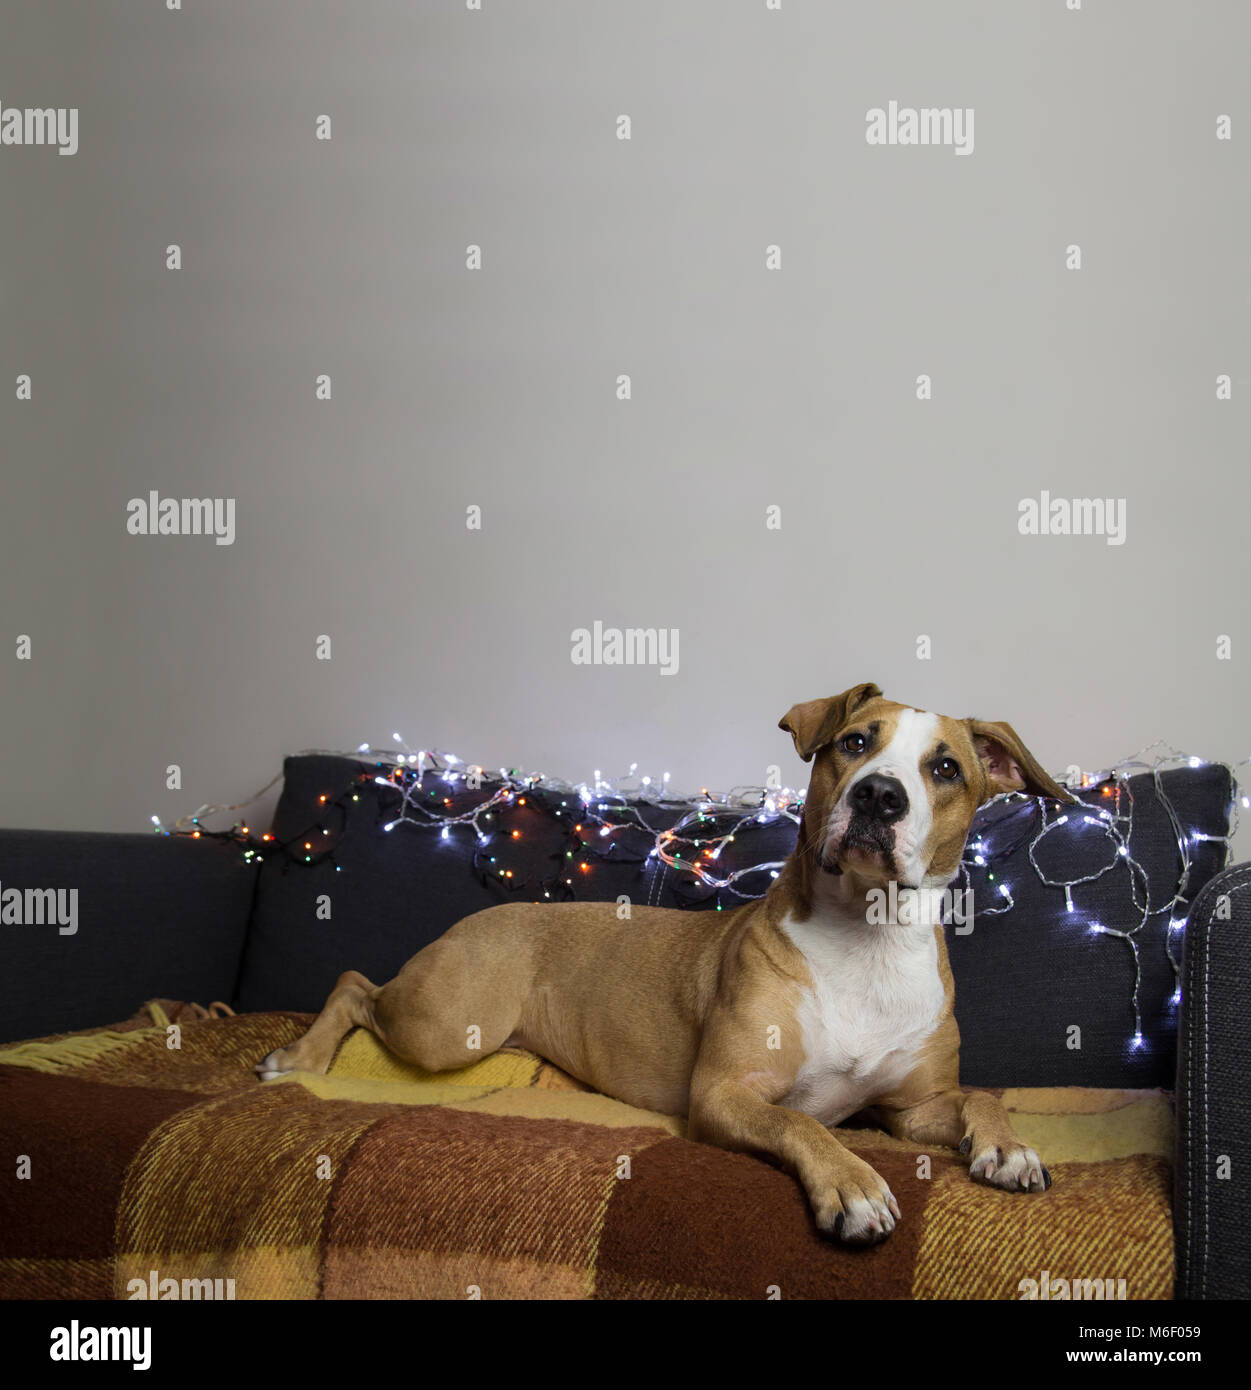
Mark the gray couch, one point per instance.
(188, 919)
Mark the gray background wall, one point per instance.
(751, 388)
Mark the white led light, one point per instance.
(679, 846)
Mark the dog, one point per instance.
(769, 1024)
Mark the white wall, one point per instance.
(497, 388)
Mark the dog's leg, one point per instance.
(978, 1125)
(348, 1007)
(455, 1002)
(849, 1199)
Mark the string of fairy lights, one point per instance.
(616, 819)
(602, 819)
(1042, 816)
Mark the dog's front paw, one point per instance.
(1010, 1166)
(858, 1208)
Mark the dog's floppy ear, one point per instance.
(1010, 766)
(815, 722)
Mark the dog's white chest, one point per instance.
(877, 996)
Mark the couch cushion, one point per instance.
(1025, 978)
(509, 1176)
(155, 915)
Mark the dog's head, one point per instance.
(894, 789)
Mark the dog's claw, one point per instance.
(860, 1213)
(1016, 1169)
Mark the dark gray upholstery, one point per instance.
(1025, 978)
(157, 917)
(1211, 1207)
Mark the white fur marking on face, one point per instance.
(915, 735)
(876, 996)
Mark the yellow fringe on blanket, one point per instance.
(74, 1051)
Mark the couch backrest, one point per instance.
(156, 917)
(1042, 998)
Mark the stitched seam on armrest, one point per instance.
(1237, 880)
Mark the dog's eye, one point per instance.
(946, 769)
(853, 743)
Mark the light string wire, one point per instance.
(692, 846)
(1116, 825)
(611, 806)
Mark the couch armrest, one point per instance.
(149, 916)
(1212, 1168)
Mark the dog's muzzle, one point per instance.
(870, 836)
(876, 802)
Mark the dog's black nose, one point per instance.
(879, 798)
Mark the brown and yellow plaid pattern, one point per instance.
(508, 1179)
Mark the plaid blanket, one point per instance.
(167, 1166)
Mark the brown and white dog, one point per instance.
(767, 1024)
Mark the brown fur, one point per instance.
(673, 1011)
